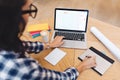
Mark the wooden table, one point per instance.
(71, 59)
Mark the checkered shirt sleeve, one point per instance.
(33, 47)
(28, 69)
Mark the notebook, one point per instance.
(72, 24)
(55, 56)
(103, 62)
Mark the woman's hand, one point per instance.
(88, 62)
(58, 41)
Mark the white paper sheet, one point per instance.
(108, 44)
(55, 56)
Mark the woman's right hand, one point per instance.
(57, 42)
(88, 62)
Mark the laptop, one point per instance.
(72, 24)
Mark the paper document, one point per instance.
(55, 56)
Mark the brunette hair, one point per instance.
(10, 23)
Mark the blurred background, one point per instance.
(105, 10)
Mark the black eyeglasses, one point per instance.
(32, 11)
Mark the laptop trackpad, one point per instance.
(74, 44)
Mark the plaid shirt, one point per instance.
(14, 68)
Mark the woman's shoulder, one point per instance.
(11, 58)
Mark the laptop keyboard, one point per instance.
(71, 36)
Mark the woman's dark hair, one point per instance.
(10, 22)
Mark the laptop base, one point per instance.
(74, 44)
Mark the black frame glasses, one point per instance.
(32, 12)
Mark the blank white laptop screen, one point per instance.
(71, 20)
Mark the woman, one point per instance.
(14, 65)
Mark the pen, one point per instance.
(88, 56)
